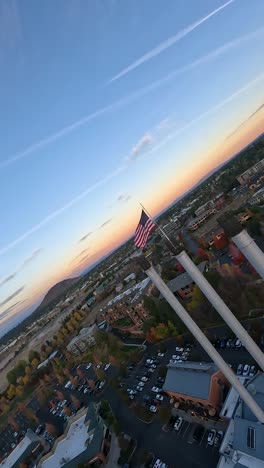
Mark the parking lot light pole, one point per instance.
(202, 339)
(220, 306)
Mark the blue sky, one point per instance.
(100, 103)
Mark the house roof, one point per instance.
(190, 379)
(184, 279)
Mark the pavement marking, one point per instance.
(188, 425)
(205, 432)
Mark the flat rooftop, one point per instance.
(69, 447)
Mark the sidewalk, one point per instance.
(114, 453)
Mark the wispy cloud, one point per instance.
(28, 260)
(119, 104)
(207, 113)
(14, 294)
(259, 109)
(80, 254)
(10, 308)
(124, 197)
(141, 146)
(125, 167)
(61, 210)
(108, 221)
(168, 43)
(83, 238)
(84, 258)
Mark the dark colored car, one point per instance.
(198, 433)
(146, 398)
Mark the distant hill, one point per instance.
(57, 291)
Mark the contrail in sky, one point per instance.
(205, 114)
(121, 169)
(127, 99)
(61, 210)
(168, 43)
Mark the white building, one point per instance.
(86, 441)
(84, 340)
(243, 443)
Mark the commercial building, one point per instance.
(257, 198)
(245, 177)
(205, 208)
(27, 453)
(182, 286)
(171, 228)
(242, 445)
(195, 223)
(84, 340)
(86, 441)
(196, 384)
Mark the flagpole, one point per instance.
(160, 229)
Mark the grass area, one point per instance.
(123, 322)
(143, 414)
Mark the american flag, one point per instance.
(144, 229)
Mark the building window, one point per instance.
(251, 437)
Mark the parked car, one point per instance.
(151, 370)
(161, 380)
(131, 397)
(88, 365)
(179, 349)
(238, 344)
(198, 432)
(178, 423)
(155, 389)
(246, 370)
(146, 398)
(160, 355)
(159, 397)
(144, 379)
(252, 371)
(139, 389)
(107, 366)
(211, 437)
(239, 369)
(153, 409)
(141, 384)
(218, 438)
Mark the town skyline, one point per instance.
(47, 235)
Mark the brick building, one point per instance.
(196, 384)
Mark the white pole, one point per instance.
(250, 250)
(205, 343)
(221, 308)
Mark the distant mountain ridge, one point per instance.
(57, 290)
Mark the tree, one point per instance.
(76, 402)
(164, 414)
(12, 377)
(51, 429)
(35, 363)
(33, 355)
(11, 392)
(13, 423)
(67, 411)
